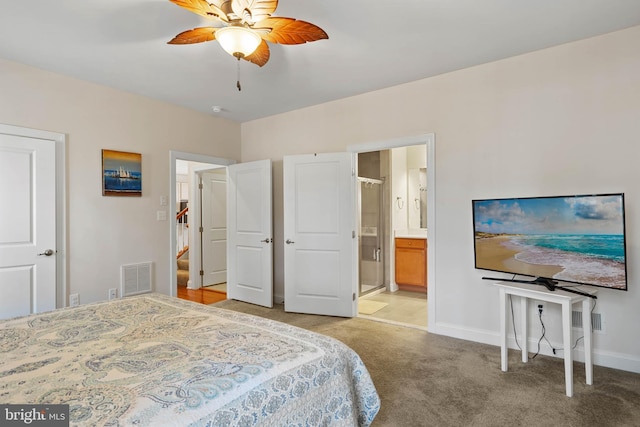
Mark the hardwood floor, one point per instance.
(202, 295)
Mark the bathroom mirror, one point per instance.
(417, 198)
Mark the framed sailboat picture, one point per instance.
(121, 173)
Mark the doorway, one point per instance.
(201, 223)
(183, 192)
(248, 213)
(397, 165)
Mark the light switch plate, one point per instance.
(161, 215)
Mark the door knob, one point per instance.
(48, 252)
(267, 240)
(289, 241)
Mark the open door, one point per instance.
(319, 231)
(250, 238)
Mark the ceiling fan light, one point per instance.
(238, 41)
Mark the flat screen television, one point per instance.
(575, 239)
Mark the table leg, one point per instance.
(586, 329)
(568, 355)
(524, 312)
(503, 330)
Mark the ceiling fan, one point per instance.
(247, 26)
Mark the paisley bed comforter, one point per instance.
(152, 360)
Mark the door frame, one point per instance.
(429, 139)
(189, 157)
(60, 141)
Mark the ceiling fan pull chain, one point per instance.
(238, 75)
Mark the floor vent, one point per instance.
(135, 279)
(596, 320)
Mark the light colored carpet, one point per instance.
(370, 307)
(431, 380)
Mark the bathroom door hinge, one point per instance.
(202, 272)
(353, 234)
(354, 296)
(200, 186)
(201, 230)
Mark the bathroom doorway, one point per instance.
(390, 207)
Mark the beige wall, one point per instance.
(564, 120)
(106, 232)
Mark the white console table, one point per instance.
(566, 300)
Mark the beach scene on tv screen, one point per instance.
(576, 239)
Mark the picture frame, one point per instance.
(121, 173)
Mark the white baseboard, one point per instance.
(609, 359)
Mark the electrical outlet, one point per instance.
(74, 300)
(113, 293)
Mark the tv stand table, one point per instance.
(566, 300)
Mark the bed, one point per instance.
(152, 360)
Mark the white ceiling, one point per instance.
(372, 44)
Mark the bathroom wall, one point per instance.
(406, 188)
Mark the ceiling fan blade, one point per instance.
(204, 8)
(261, 55)
(257, 9)
(197, 35)
(290, 31)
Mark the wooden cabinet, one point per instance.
(411, 264)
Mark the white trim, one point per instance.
(392, 322)
(391, 143)
(60, 141)
(430, 140)
(190, 157)
(622, 361)
(431, 231)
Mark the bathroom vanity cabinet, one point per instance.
(411, 263)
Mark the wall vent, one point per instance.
(135, 279)
(596, 320)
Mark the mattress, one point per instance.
(153, 360)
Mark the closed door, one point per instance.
(27, 225)
(320, 249)
(214, 227)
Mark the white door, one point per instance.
(250, 238)
(320, 267)
(214, 226)
(27, 225)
